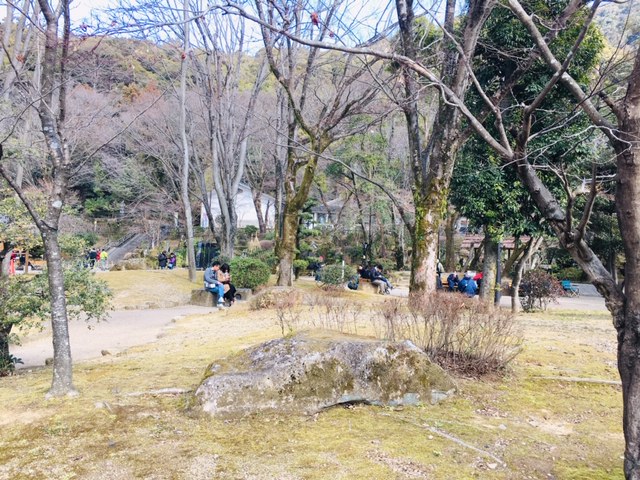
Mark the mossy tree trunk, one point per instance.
(432, 164)
(489, 267)
(450, 240)
(295, 196)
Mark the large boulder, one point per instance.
(315, 370)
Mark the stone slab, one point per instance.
(203, 298)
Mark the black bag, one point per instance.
(353, 283)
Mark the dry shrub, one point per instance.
(288, 312)
(333, 312)
(269, 297)
(285, 301)
(133, 264)
(459, 333)
(266, 244)
(537, 289)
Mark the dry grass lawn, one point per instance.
(522, 425)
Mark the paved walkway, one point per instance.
(123, 329)
(593, 302)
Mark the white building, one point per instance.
(244, 208)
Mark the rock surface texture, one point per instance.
(315, 370)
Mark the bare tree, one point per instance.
(321, 93)
(51, 101)
(227, 113)
(185, 170)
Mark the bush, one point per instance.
(250, 230)
(286, 302)
(575, 274)
(25, 303)
(266, 244)
(459, 333)
(538, 289)
(272, 297)
(249, 272)
(299, 266)
(332, 276)
(267, 256)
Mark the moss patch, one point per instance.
(540, 428)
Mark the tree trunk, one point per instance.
(62, 383)
(6, 365)
(612, 265)
(518, 251)
(398, 230)
(450, 240)
(257, 203)
(6, 253)
(286, 247)
(531, 248)
(206, 199)
(280, 159)
(295, 197)
(627, 319)
(424, 260)
(433, 166)
(186, 163)
(489, 268)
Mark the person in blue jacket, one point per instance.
(471, 288)
(462, 284)
(212, 284)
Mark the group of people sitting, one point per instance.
(167, 261)
(217, 280)
(469, 284)
(377, 278)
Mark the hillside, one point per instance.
(620, 19)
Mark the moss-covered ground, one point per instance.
(525, 424)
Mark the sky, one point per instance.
(81, 9)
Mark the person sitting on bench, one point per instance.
(212, 284)
(378, 279)
(224, 275)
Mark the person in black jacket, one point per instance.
(162, 260)
(452, 281)
(225, 278)
(378, 279)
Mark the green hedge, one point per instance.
(247, 272)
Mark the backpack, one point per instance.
(353, 283)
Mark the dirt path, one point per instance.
(123, 329)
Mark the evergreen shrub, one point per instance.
(331, 276)
(299, 266)
(248, 272)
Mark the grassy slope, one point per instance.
(150, 288)
(540, 428)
